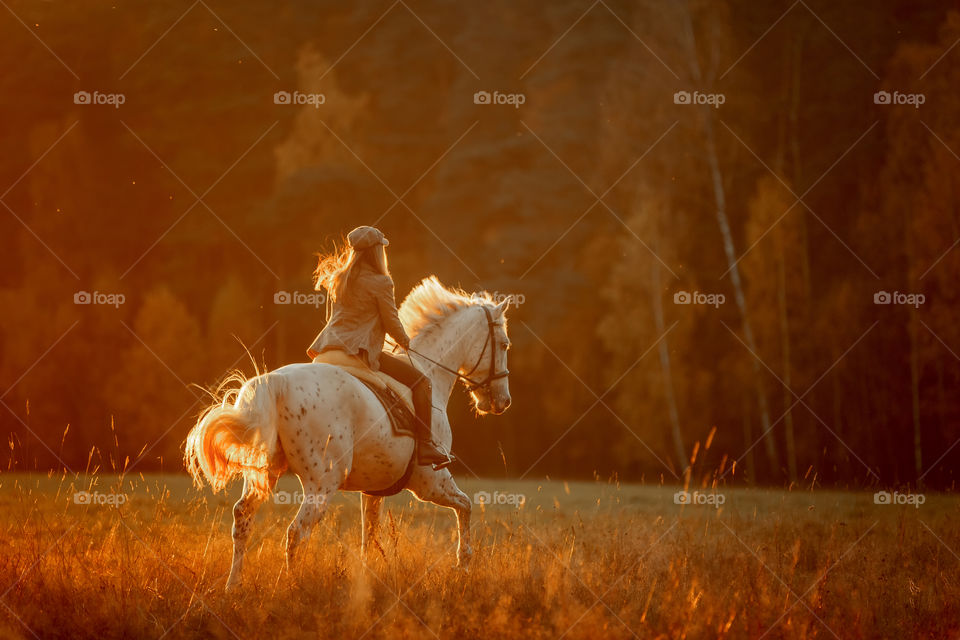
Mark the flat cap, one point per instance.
(365, 237)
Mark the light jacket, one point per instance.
(360, 320)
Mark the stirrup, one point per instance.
(448, 458)
(437, 466)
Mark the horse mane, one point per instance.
(429, 302)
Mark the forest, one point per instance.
(728, 230)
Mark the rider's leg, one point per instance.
(427, 452)
(419, 384)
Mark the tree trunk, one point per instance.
(787, 386)
(731, 253)
(750, 472)
(665, 367)
(797, 176)
(729, 248)
(915, 397)
(789, 130)
(912, 329)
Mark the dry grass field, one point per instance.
(577, 560)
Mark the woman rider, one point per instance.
(363, 309)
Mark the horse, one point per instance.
(330, 430)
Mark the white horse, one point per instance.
(332, 432)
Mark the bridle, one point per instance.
(492, 373)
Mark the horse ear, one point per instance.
(501, 308)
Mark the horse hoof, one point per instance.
(463, 561)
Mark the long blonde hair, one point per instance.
(335, 270)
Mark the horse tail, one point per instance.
(239, 437)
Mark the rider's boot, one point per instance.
(427, 450)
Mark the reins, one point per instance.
(492, 374)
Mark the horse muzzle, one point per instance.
(500, 405)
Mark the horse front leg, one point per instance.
(439, 488)
(463, 509)
(370, 507)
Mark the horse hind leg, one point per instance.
(316, 499)
(370, 512)
(243, 514)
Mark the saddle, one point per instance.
(397, 401)
(396, 397)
